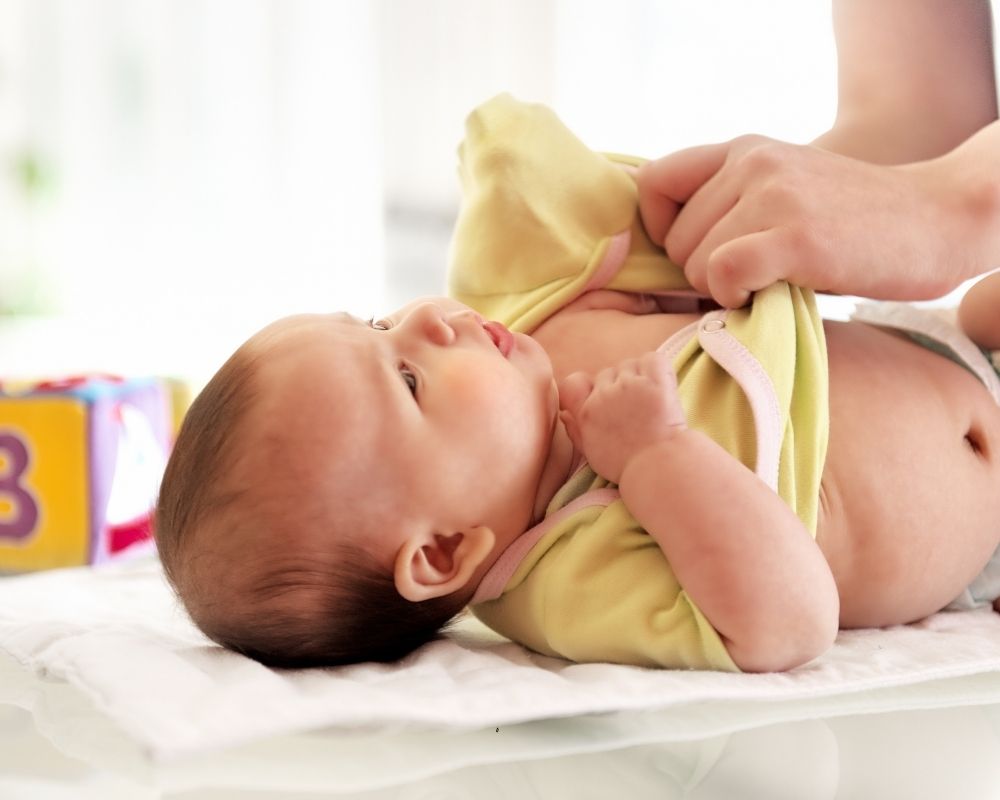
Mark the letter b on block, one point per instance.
(18, 507)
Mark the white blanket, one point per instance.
(117, 634)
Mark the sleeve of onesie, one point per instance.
(538, 211)
(598, 589)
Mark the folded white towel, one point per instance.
(118, 634)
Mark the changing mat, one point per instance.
(118, 635)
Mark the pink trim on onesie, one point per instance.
(614, 257)
(746, 370)
(673, 346)
(493, 583)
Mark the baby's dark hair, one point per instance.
(294, 606)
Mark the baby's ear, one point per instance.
(435, 564)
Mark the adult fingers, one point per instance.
(693, 228)
(740, 266)
(664, 185)
(709, 204)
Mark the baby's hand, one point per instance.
(625, 409)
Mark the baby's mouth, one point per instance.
(502, 338)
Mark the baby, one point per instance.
(612, 474)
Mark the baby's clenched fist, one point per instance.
(621, 411)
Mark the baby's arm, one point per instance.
(736, 547)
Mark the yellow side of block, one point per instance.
(56, 480)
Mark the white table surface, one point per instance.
(64, 748)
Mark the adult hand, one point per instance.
(624, 409)
(745, 213)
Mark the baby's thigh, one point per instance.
(979, 312)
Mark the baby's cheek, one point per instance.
(472, 387)
(486, 403)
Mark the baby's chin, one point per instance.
(543, 363)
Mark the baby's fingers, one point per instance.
(658, 369)
(572, 429)
(574, 389)
(655, 364)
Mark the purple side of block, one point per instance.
(104, 430)
(102, 450)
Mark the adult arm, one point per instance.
(915, 78)
(742, 214)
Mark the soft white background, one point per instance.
(203, 167)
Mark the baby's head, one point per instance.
(340, 487)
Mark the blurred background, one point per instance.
(176, 173)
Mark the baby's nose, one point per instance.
(435, 325)
(465, 322)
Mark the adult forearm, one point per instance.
(915, 77)
(736, 547)
(969, 177)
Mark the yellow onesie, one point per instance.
(544, 220)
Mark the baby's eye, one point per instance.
(379, 324)
(409, 377)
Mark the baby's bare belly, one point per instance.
(910, 511)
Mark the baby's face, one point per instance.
(427, 417)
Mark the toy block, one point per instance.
(80, 463)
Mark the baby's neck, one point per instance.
(556, 470)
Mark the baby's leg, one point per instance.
(979, 312)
